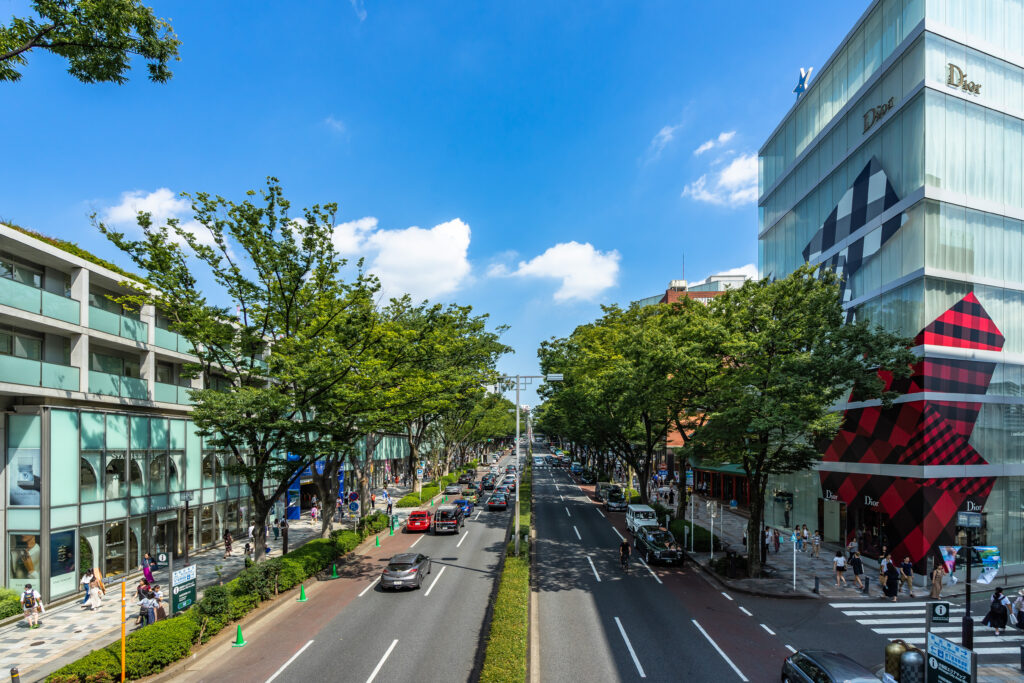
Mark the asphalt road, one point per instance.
(351, 630)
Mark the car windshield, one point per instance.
(661, 537)
(462, 502)
(644, 514)
(498, 497)
(418, 515)
(614, 495)
(446, 514)
(399, 566)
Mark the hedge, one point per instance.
(9, 603)
(152, 648)
(701, 541)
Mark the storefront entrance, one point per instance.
(871, 528)
(832, 521)
(165, 534)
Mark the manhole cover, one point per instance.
(38, 642)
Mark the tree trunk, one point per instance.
(755, 527)
(414, 458)
(327, 490)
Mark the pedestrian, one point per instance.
(775, 539)
(252, 528)
(140, 596)
(141, 588)
(147, 567)
(86, 579)
(938, 573)
(816, 542)
(227, 544)
(907, 575)
(373, 501)
(839, 564)
(277, 528)
(998, 611)
(32, 605)
(96, 589)
(806, 536)
(671, 497)
(389, 507)
(284, 536)
(852, 547)
(158, 598)
(892, 581)
(312, 514)
(858, 568)
(883, 565)
(1018, 610)
(767, 543)
(247, 550)
(798, 535)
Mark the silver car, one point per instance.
(405, 570)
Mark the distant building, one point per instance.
(709, 288)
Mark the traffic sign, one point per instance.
(183, 589)
(354, 507)
(353, 496)
(969, 520)
(949, 662)
(939, 612)
(419, 472)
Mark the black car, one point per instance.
(821, 666)
(466, 478)
(488, 484)
(615, 500)
(588, 477)
(499, 501)
(448, 519)
(657, 545)
(550, 460)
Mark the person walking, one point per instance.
(96, 589)
(839, 564)
(816, 542)
(86, 579)
(775, 539)
(147, 568)
(767, 543)
(806, 538)
(158, 598)
(852, 547)
(312, 514)
(892, 581)
(227, 544)
(938, 573)
(858, 568)
(907, 575)
(883, 566)
(373, 501)
(1018, 610)
(998, 611)
(277, 528)
(31, 605)
(252, 528)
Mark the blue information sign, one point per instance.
(354, 507)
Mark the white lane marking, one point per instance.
(567, 514)
(729, 597)
(376, 670)
(462, 539)
(599, 511)
(292, 659)
(888, 622)
(577, 532)
(427, 594)
(724, 656)
(596, 575)
(618, 534)
(649, 569)
(416, 541)
(883, 612)
(632, 654)
(560, 498)
(893, 605)
(372, 584)
(790, 648)
(744, 610)
(768, 629)
(920, 629)
(478, 514)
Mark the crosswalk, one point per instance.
(906, 621)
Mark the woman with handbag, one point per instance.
(96, 590)
(998, 611)
(937, 576)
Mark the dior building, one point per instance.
(901, 167)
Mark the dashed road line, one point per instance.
(383, 659)
(724, 656)
(728, 597)
(427, 594)
(618, 534)
(290, 660)
(372, 584)
(768, 629)
(632, 654)
(744, 610)
(596, 575)
(791, 649)
(577, 532)
(649, 569)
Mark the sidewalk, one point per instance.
(69, 631)
(730, 527)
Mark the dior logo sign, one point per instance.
(870, 502)
(973, 507)
(871, 116)
(830, 495)
(956, 77)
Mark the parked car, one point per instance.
(419, 520)
(452, 489)
(821, 666)
(602, 488)
(588, 477)
(639, 516)
(465, 506)
(499, 501)
(550, 460)
(576, 467)
(405, 570)
(615, 501)
(657, 545)
(448, 519)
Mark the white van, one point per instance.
(638, 516)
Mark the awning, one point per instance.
(726, 468)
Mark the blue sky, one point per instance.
(532, 159)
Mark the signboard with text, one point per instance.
(948, 662)
(183, 589)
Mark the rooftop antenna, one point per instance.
(684, 265)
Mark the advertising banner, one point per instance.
(63, 576)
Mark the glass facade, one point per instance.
(940, 107)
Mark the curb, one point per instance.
(713, 578)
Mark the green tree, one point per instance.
(785, 360)
(284, 304)
(97, 38)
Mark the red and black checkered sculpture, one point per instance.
(921, 512)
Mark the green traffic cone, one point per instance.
(334, 571)
(302, 594)
(391, 531)
(377, 544)
(239, 641)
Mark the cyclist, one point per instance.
(624, 554)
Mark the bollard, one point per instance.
(893, 651)
(15, 676)
(817, 584)
(867, 585)
(912, 667)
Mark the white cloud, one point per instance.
(584, 271)
(748, 271)
(359, 9)
(417, 261)
(722, 139)
(734, 185)
(661, 140)
(161, 204)
(337, 125)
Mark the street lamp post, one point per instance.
(522, 380)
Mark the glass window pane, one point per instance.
(115, 475)
(90, 478)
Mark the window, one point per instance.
(100, 299)
(115, 549)
(115, 475)
(19, 271)
(114, 365)
(165, 373)
(21, 344)
(89, 476)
